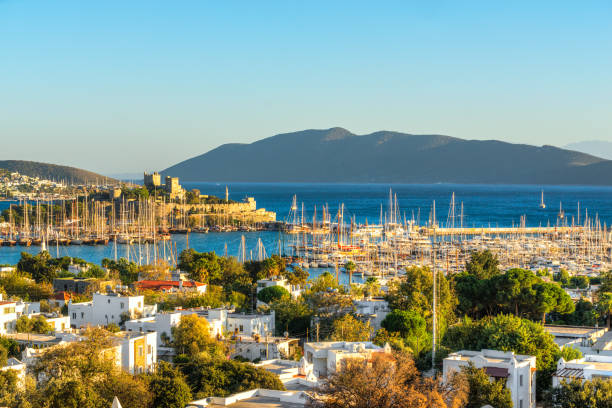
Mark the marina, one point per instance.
(326, 237)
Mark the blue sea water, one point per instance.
(483, 205)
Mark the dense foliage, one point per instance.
(272, 294)
(36, 324)
(596, 393)
(168, 387)
(483, 391)
(388, 381)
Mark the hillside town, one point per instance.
(190, 335)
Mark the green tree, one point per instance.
(292, 316)
(596, 393)
(12, 393)
(38, 266)
(168, 387)
(192, 336)
(12, 347)
(3, 356)
(482, 265)
(604, 306)
(549, 297)
(415, 292)
(563, 277)
(347, 328)
(273, 293)
(37, 324)
(579, 282)
(411, 327)
(350, 269)
(221, 377)
(484, 391)
(570, 353)
(584, 314)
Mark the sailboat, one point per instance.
(542, 204)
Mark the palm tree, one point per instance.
(604, 306)
(350, 268)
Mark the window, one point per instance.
(82, 315)
(140, 351)
(521, 380)
(108, 301)
(74, 315)
(149, 349)
(241, 328)
(521, 404)
(122, 305)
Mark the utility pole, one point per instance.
(433, 247)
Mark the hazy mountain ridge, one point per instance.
(600, 148)
(54, 172)
(337, 155)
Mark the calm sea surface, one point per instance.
(483, 205)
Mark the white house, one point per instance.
(105, 309)
(8, 316)
(587, 368)
(373, 310)
(59, 323)
(518, 371)
(250, 324)
(220, 322)
(161, 323)
(324, 358)
(264, 348)
(138, 351)
(579, 337)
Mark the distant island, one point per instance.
(337, 155)
(65, 174)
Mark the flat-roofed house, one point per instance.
(586, 368)
(518, 371)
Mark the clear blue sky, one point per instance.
(124, 86)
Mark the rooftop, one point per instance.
(260, 402)
(159, 284)
(573, 331)
(492, 356)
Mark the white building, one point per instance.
(138, 351)
(161, 324)
(220, 321)
(59, 323)
(579, 337)
(105, 309)
(324, 358)
(587, 368)
(250, 324)
(264, 348)
(8, 316)
(518, 371)
(373, 310)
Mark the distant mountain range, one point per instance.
(337, 155)
(597, 148)
(55, 172)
